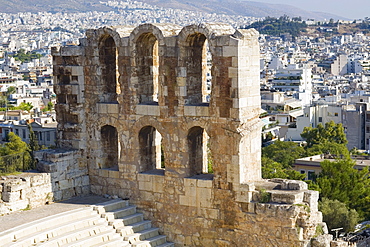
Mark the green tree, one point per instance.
(11, 90)
(339, 180)
(14, 146)
(284, 153)
(48, 107)
(33, 145)
(336, 215)
(25, 106)
(336, 149)
(331, 133)
(273, 169)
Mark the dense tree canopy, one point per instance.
(273, 169)
(284, 153)
(336, 215)
(339, 180)
(14, 146)
(278, 26)
(331, 133)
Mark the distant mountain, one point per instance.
(245, 8)
(229, 7)
(15, 6)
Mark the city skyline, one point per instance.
(355, 9)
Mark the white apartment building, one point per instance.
(296, 80)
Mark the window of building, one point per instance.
(109, 147)
(108, 61)
(199, 160)
(151, 152)
(198, 75)
(48, 136)
(310, 175)
(147, 65)
(320, 119)
(24, 133)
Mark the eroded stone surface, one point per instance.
(135, 103)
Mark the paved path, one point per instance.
(18, 218)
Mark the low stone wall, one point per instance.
(193, 212)
(67, 176)
(58, 177)
(24, 191)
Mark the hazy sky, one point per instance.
(353, 9)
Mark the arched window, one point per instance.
(108, 61)
(199, 161)
(150, 141)
(147, 63)
(109, 145)
(198, 62)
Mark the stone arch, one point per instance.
(109, 147)
(195, 63)
(147, 68)
(146, 41)
(197, 141)
(151, 153)
(108, 54)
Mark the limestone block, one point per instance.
(230, 51)
(102, 108)
(48, 167)
(15, 186)
(243, 196)
(322, 241)
(181, 72)
(187, 201)
(311, 197)
(68, 193)
(77, 182)
(147, 186)
(11, 196)
(65, 184)
(183, 91)
(39, 180)
(204, 197)
(202, 183)
(71, 51)
(142, 109)
(284, 197)
(190, 111)
(246, 187)
(17, 205)
(153, 110)
(112, 108)
(290, 184)
(141, 177)
(77, 70)
(202, 111)
(104, 173)
(233, 72)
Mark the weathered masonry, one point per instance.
(169, 117)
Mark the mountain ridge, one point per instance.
(229, 7)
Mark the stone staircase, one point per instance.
(113, 223)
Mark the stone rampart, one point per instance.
(59, 177)
(168, 117)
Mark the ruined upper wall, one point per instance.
(205, 75)
(168, 116)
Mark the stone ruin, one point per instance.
(168, 117)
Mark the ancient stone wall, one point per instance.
(169, 117)
(60, 178)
